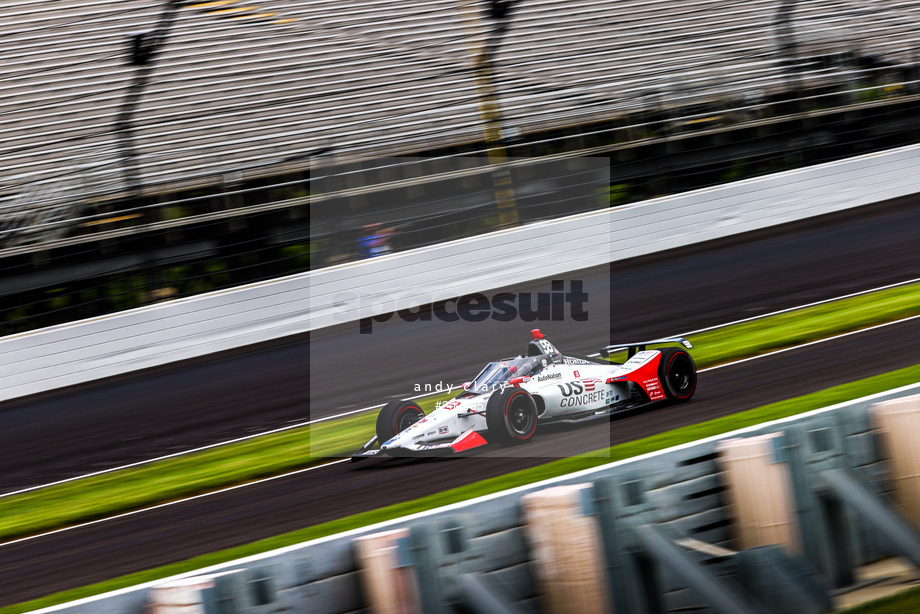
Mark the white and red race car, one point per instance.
(509, 397)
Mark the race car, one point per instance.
(509, 397)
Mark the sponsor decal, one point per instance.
(576, 361)
(423, 445)
(504, 307)
(549, 376)
(577, 393)
(442, 430)
(589, 398)
(577, 374)
(639, 358)
(570, 388)
(653, 388)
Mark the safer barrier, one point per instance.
(665, 529)
(898, 421)
(566, 548)
(388, 582)
(760, 492)
(83, 351)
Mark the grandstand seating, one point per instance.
(244, 83)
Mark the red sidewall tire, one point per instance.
(511, 416)
(677, 373)
(525, 436)
(395, 417)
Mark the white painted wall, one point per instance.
(398, 281)
(100, 347)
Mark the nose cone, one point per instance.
(392, 444)
(403, 439)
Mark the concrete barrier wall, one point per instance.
(399, 281)
(83, 351)
(682, 489)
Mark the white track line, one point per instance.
(427, 394)
(788, 309)
(805, 345)
(776, 313)
(336, 462)
(201, 448)
(162, 505)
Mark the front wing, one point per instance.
(467, 440)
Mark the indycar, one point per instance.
(510, 397)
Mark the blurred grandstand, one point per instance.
(126, 181)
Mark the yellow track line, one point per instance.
(109, 220)
(205, 5)
(234, 10)
(263, 15)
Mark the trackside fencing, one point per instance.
(678, 530)
(78, 352)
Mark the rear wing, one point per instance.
(632, 348)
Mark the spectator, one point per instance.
(376, 240)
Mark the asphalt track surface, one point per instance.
(167, 409)
(174, 408)
(157, 537)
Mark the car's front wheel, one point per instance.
(395, 417)
(511, 416)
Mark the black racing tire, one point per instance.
(677, 373)
(511, 415)
(395, 417)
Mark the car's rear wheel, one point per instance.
(395, 417)
(677, 373)
(511, 416)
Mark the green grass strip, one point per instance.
(176, 478)
(902, 602)
(687, 434)
(803, 325)
(183, 476)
